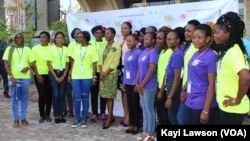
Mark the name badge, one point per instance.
(19, 66)
(189, 86)
(128, 74)
(61, 68)
(219, 68)
(130, 58)
(143, 58)
(81, 68)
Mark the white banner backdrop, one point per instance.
(166, 15)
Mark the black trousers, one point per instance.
(45, 96)
(68, 99)
(5, 78)
(161, 111)
(133, 105)
(94, 98)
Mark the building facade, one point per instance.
(39, 14)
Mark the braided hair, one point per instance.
(231, 22)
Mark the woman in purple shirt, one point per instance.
(173, 75)
(129, 78)
(200, 102)
(146, 85)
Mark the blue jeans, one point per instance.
(147, 102)
(19, 92)
(57, 93)
(81, 90)
(180, 115)
(192, 116)
(172, 112)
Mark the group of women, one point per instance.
(197, 74)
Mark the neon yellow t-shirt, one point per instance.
(188, 55)
(97, 45)
(20, 59)
(39, 54)
(161, 66)
(58, 57)
(83, 57)
(228, 80)
(72, 45)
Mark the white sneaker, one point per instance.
(84, 124)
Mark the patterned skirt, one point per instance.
(108, 86)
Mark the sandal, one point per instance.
(93, 118)
(25, 122)
(149, 138)
(16, 124)
(142, 137)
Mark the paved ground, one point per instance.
(49, 131)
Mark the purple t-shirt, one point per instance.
(198, 68)
(147, 57)
(175, 62)
(131, 66)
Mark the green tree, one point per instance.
(7, 31)
(4, 33)
(61, 26)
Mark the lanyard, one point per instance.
(60, 55)
(19, 55)
(82, 55)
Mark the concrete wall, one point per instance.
(53, 11)
(2, 9)
(100, 5)
(42, 10)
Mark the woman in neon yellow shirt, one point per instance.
(58, 66)
(68, 99)
(41, 70)
(99, 32)
(164, 55)
(83, 74)
(232, 70)
(17, 64)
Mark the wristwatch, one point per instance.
(234, 102)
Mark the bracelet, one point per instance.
(169, 96)
(94, 79)
(234, 102)
(205, 112)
